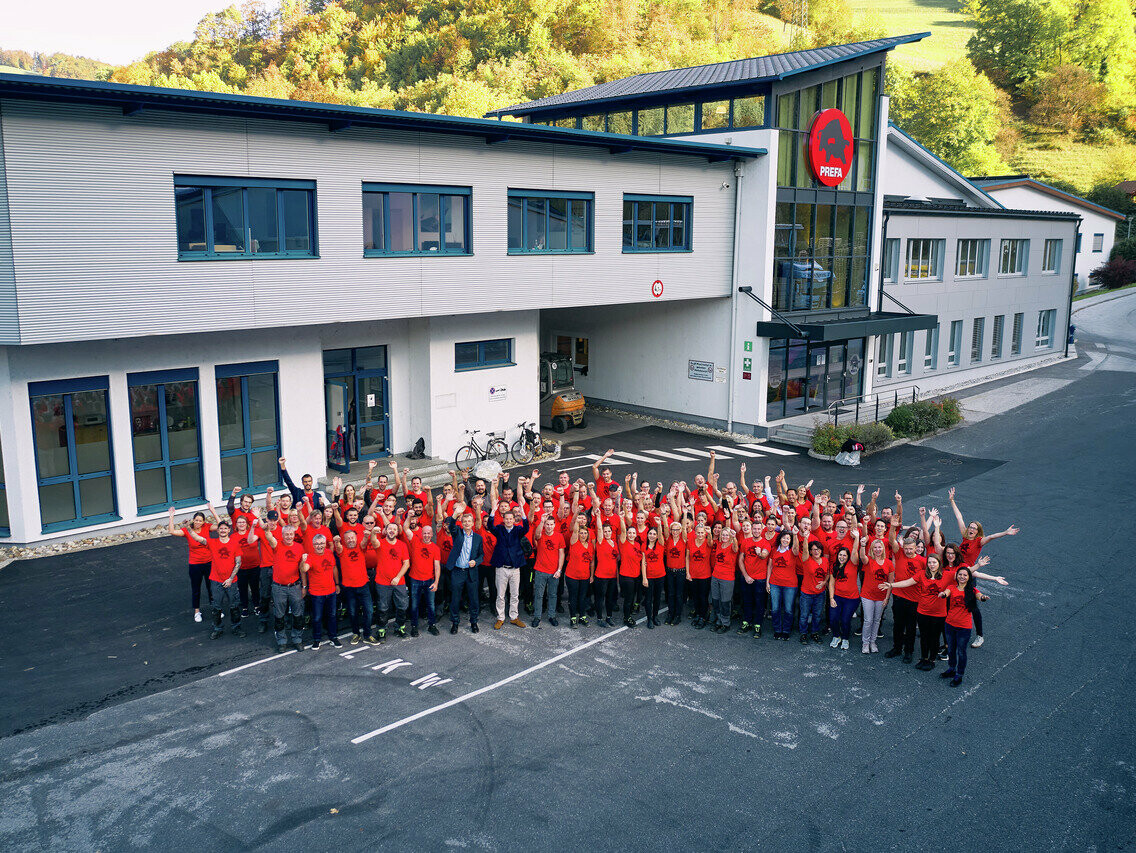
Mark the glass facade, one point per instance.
(249, 422)
(672, 119)
(808, 376)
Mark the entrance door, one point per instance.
(853, 369)
(836, 374)
(372, 438)
(336, 393)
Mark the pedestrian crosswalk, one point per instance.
(694, 455)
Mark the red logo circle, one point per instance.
(830, 147)
(657, 289)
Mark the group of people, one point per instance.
(390, 550)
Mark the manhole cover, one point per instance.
(575, 447)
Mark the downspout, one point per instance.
(883, 248)
(739, 172)
(1072, 285)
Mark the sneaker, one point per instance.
(382, 634)
(572, 623)
(414, 631)
(472, 628)
(859, 631)
(804, 639)
(553, 622)
(298, 646)
(744, 629)
(371, 639)
(677, 620)
(907, 658)
(944, 656)
(433, 629)
(816, 637)
(843, 645)
(454, 628)
(535, 623)
(956, 681)
(924, 666)
(650, 623)
(401, 632)
(355, 638)
(978, 641)
(757, 632)
(699, 623)
(215, 633)
(315, 646)
(584, 620)
(874, 647)
(610, 622)
(893, 652)
(865, 650)
(335, 643)
(668, 621)
(835, 642)
(197, 616)
(949, 673)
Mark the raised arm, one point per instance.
(1009, 531)
(956, 511)
(710, 469)
(899, 506)
(175, 531)
(598, 464)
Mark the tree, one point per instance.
(1016, 41)
(1103, 41)
(954, 112)
(1068, 98)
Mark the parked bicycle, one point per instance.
(495, 450)
(526, 448)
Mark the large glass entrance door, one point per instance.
(359, 377)
(336, 393)
(809, 377)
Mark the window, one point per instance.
(656, 223)
(165, 439)
(1045, 328)
(651, 122)
(74, 463)
(248, 413)
(1013, 260)
(1077, 249)
(820, 256)
(924, 259)
(971, 262)
(715, 115)
(1098, 242)
(478, 355)
(550, 223)
(955, 343)
(4, 525)
(408, 220)
(883, 356)
(231, 218)
(931, 349)
(749, 112)
(891, 258)
(680, 118)
(1051, 259)
(1016, 337)
(996, 337)
(906, 345)
(977, 333)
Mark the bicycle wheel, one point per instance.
(466, 458)
(522, 452)
(497, 451)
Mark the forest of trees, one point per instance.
(56, 64)
(1063, 64)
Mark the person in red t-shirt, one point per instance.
(907, 564)
(323, 587)
(974, 539)
(602, 478)
(289, 583)
(199, 559)
(813, 566)
(225, 562)
(549, 550)
(578, 570)
(843, 591)
(390, 572)
(879, 571)
(605, 583)
(674, 559)
(698, 552)
(353, 586)
(962, 598)
(248, 578)
(425, 574)
(755, 569)
(652, 574)
(781, 583)
(724, 569)
(630, 566)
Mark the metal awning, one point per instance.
(842, 329)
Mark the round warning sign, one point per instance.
(830, 147)
(657, 288)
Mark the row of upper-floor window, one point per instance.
(924, 258)
(896, 353)
(223, 219)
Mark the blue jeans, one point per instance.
(542, 582)
(782, 598)
(419, 589)
(753, 601)
(464, 581)
(957, 641)
(841, 615)
(356, 599)
(811, 606)
(323, 615)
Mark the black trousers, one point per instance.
(903, 632)
(676, 593)
(577, 598)
(700, 590)
(627, 592)
(930, 635)
(488, 575)
(248, 581)
(653, 598)
(604, 592)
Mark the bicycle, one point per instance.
(526, 447)
(495, 450)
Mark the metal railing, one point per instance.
(870, 404)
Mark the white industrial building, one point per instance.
(195, 284)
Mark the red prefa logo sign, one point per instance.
(830, 147)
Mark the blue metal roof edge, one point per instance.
(944, 163)
(895, 41)
(340, 116)
(1066, 193)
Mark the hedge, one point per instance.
(828, 440)
(914, 420)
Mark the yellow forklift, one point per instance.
(561, 405)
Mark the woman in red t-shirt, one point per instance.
(844, 590)
(604, 584)
(724, 569)
(813, 567)
(907, 564)
(930, 610)
(698, 549)
(878, 574)
(781, 583)
(248, 575)
(199, 557)
(755, 570)
(653, 572)
(674, 559)
(630, 567)
(962, 600)
(578, 571)
(974, 539)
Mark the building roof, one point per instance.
(916, 208)
(337, 117)
(689, 81)
(1004, 182)
(933, 161)
(1127, 187)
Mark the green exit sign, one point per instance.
(748, 346)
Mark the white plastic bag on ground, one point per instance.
(848, 458)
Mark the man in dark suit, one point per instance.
(466, 556)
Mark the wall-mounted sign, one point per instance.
(747, 364)
(830, 147)
(748, 346)
(703, 370)
(719, 374)
(496, 393)
(656, 288)
(747, 376)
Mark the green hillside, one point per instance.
(950, 28)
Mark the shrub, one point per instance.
(828, 439)
(912, 420)
(1118, 272)
(1125, 249)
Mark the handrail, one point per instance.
(833, 410)
(748, 291)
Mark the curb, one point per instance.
(1088, 303)
(680, 426)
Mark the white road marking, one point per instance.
(737, 450)
(489, 687)
(776, 451)
(703, 453)
(635, 456)
(668, 455)
(256, 663)
(596, 457)
(391, 665)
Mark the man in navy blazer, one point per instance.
(466, 556)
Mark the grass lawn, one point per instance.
(1102, 292)
(950, 28)
(1053, 155)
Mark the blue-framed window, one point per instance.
(166, 438)
(400, 219)
(243, 218)
(4, 524)
(550, 222)
(656, 223)
(74, 456)
(248, 414)
(478, 355)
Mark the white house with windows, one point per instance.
(998, 279)
(1098, 223)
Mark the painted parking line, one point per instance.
(272, 658)
(776, 451)
(718, 448)
(635, 456)
(703, 453)
(595, 457)
(666, 454)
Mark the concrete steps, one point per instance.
(792, 434)
(434, 472)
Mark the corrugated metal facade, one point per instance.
(9, 322)
(92, 225)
